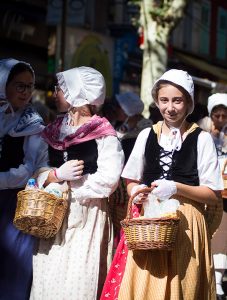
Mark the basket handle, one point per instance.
(129, 209)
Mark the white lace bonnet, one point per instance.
(82, 85)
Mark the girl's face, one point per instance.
(19, 90)
(172, 104)
(219, 117)
(61, 104)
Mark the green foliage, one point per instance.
(161, 12)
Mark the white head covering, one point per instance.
(82, 85)
(6, 66)
(216, 99)
(180, 78)
(130, 103)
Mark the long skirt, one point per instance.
(219, 241)
(73, 265)
(185, 273)
(15, 252)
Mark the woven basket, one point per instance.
(149, 233)
(39, 213)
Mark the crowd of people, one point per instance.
(101, 154)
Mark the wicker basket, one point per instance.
(149, 233)
(39, 213)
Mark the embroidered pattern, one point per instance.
(28, 117)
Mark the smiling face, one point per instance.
(172, 104)
(19, 89)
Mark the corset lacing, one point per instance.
(165, 161)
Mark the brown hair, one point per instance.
(163, 83)
(18, 69)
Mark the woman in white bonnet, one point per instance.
(179, 161)
(216, 124)
(85, 152)
(22, 151)
(129, 113)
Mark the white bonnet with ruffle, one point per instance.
(130, 103)
(82, 85)
(180, 78)
(6, 66)
(216, 99)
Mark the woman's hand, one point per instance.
(70, 170)
(164, 189)
(142, 197)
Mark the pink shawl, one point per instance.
(95, 128)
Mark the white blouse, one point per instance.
(207, 161)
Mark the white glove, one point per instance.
(70, 170)
(165, 189)
(135, 189)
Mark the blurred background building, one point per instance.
(58, 34)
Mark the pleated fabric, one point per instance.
(185, 273)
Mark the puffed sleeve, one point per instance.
(35, 157)
(105, 180)
(135, 164)
(208, 166)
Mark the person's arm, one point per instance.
(105, 180)
(35, 157)
(202, 194)
(69, 171)
(133, 170)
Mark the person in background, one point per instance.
(216, 124)
(129, 112)
(22, 151)
(179, 161)
(85, 152)
(129, 122)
